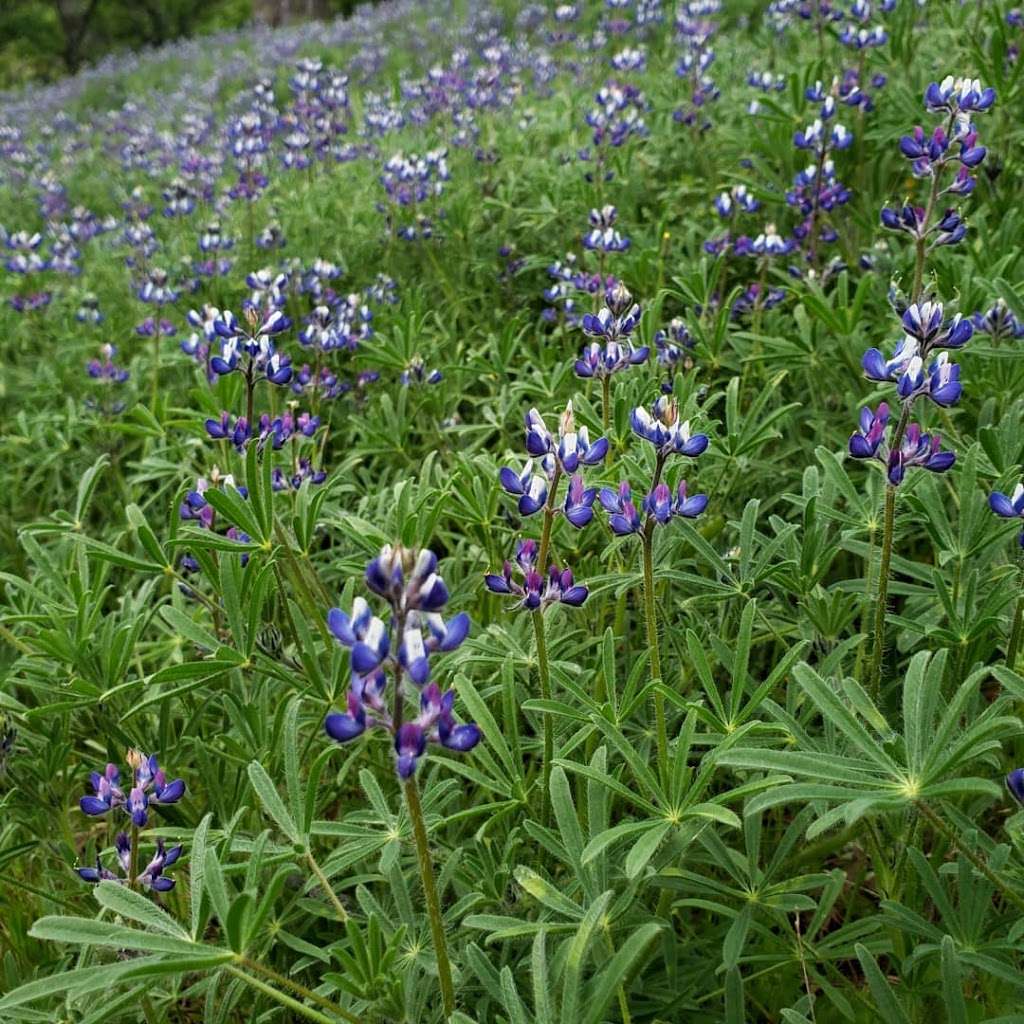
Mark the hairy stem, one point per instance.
(419, 828)
(888, 530)
(878, 651)
(298, 989)
(544, 672)
(940, 826)
(133, 858)
(326, 886)
(651, 621)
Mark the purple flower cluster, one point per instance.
(416, 594)
(945, 158)
(149, 787)
(535, 591)
(916, 448)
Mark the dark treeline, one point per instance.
(45, 39)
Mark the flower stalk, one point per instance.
(419, 829)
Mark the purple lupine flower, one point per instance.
(923, 321)
(1015, 784)
(618, 317)
(362, 632)
(916, 449)
(658, 504)
(662, 428)
(417, 373)
(686, 505)
(535, 591)
(236, 431)
(150, 787)
(876, 367)
(152, 876)
(998, 322)
(579, 502)
(531, 489)
(573, 447)
(623, 515)
(410, 745)
(1009, 506)
(958, 96)
(410, 583)
(597, 361)
(108, 792)
(865, 443)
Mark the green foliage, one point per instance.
(807, 852)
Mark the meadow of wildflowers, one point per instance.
(513, 512)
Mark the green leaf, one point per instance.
(885, 1000)
(617, 972)
(644, 849)
(952, 985)
(273, 804)
(83, 931)
(136, 907)
(197, 872)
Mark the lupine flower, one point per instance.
(417, 373)
(1015, 784)
(602, 235)
(362, 632)
(624, 518)
(924, 322)
(578, 502)
(152, 876)
(958, 95)
(236, 431)
(150, 787)
(89, 310)
(941, 383)
(104, 369)
(157, 288)
(672, 347)
(662, 428)
(623, 515)
(865, 443)
(1009, 506)
(738, 198)
(531, 489)
(916, 448)
(573, 447)
(409, 582)
(998, 322)
(768, 243)
(535, 591)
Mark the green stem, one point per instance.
(544, 672)
(156, 369)
(133, 858)
(888, 530)
(543, 668)
(281, 997)
(419, 829)
(298, 989)
(651, 620)
(326, 886)
(940, 826)
(606, 403)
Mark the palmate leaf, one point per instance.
(936, 748)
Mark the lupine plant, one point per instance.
(672, 699)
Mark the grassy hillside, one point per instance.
(542, 483)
